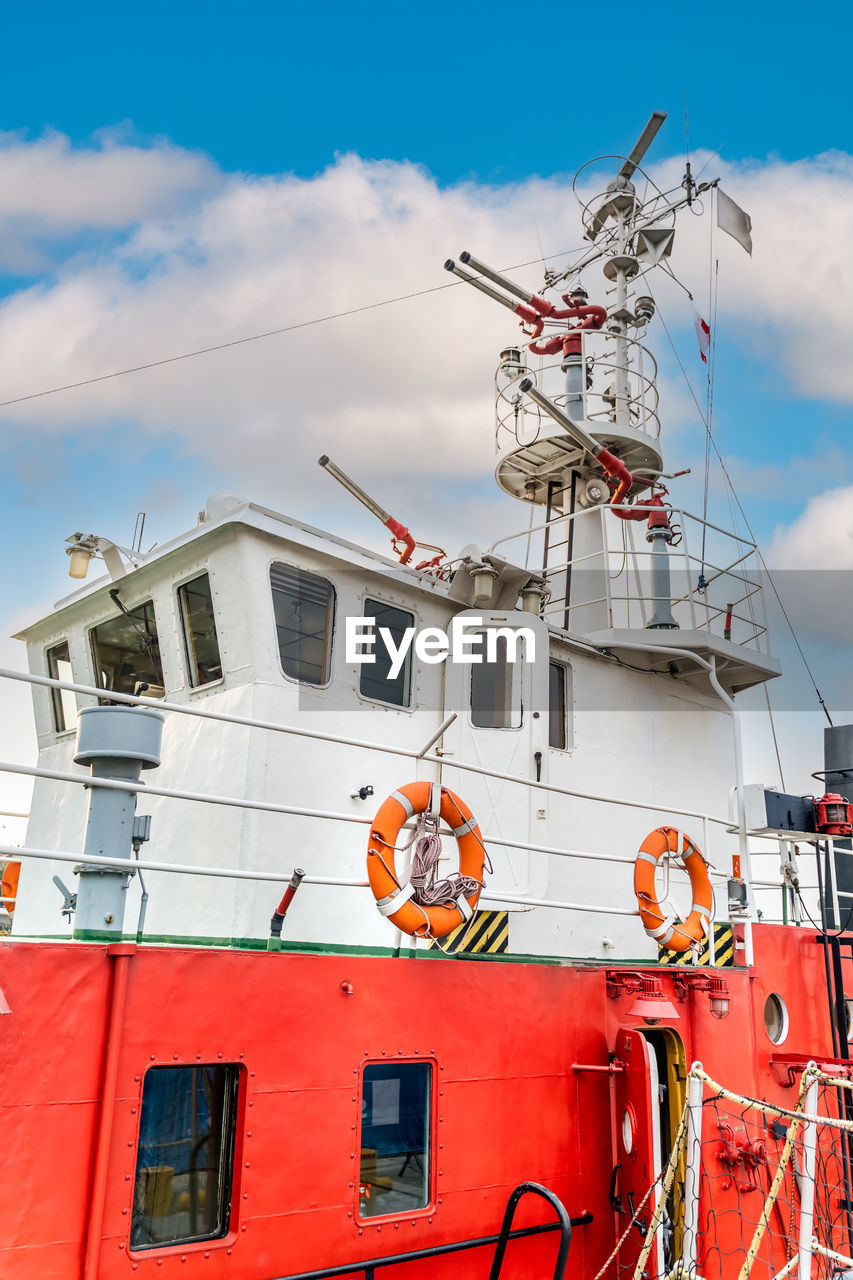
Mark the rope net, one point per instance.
(749, 1189)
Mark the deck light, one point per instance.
(484, 579)
(81, 550)
(649, 1003)
(84, 547)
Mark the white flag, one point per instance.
(703, 333)
(731, 218)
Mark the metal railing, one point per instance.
(84, 779)
(715, 577)
(520, 424)
(370, 1265)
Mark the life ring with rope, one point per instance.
(667, 930)
(459, 893)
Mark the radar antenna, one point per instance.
(622, 182)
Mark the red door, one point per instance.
(637, 1129)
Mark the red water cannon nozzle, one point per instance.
(531, 309)
(833, 815)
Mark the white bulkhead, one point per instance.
(622, 750)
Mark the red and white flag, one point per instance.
(703, 333)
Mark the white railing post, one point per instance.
(807, 1186)
(692, 1170)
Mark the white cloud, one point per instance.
(820, 537)
(50, 190)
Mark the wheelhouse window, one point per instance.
(185, 1158)
(375, 680)
(63, 701)
(558, 720)
(304, 606)
(126, 653)
(395, 1138)
(200, 640)
(496, 684)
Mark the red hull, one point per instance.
(509, 1103)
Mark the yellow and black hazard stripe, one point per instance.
(724, 950)
(488, 932)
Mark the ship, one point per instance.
(405, 914)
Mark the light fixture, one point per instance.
(649, 1004)
(81, 550)
(484, 578)
(84, 547)
(534, 596)
(716, 987)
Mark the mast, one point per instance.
(577, 427)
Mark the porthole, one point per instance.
(775, 1018)
(628, 1130)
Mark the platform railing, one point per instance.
(715, 576)
(519, 423)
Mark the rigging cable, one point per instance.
(256, 337)
(747, 525)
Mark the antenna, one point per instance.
(136, 540)
(643, 143)
(619, 184)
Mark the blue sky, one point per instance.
(496, 91)
(173, 176)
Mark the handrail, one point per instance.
(431, 1251)
(281, 877)
(298, 811)
(639, 506)
(318, 734)
(565, 1224)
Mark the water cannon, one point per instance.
(504, 281)
(532, 309)
(527, 313)
(400, 532)
(612, 466)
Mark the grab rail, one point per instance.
(368, 1267)
(565, 1225)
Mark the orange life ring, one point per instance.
(395, 900)
(9, 885)
(667, 931)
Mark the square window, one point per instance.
(395, 1138)
(375, 680)
(558, 724)
(126, 652)
(495, 685)
(185, 1158)
(304, 607)
(200, 640)
(63, 701)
